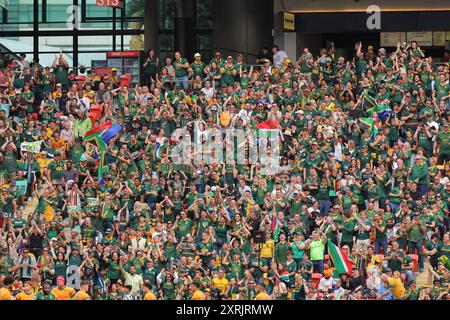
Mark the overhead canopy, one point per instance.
(45, 59)
(305, 6)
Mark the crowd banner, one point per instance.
(73, 209)
(92, 202)
(33, 147)
(21, 187)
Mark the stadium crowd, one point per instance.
(356, 209)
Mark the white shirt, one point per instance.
(209, 92)
(138, 244)
(330, 282)
(436, 126)
(279, 57)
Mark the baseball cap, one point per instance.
(113, 69)
(197, 55)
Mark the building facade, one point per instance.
(85, 31)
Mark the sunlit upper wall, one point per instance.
(360, 5)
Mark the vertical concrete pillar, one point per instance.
(151, 25)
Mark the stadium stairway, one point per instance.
(423, 278)
(30, 206)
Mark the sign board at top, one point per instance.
(424, 39)
(289, 21)
(122, 54)
(110, 3)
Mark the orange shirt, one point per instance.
(81, 295)
(198, 295)
(263, 296)
(23, 296)
(149, 296)
(63, 294)
(60, 144)
(5, 294)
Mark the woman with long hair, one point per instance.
(150, 66)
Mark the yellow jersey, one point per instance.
(263, 296)
(198, 295)
(267, 249)
(398, 289)
(23, 296)
(221, 284)
(81, 295)
(5, 294)
(63, 294)
(149, 296)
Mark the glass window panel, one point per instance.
(135, 8)
(95, 25)
(93, 11)
(49, 48)
(59, 10)
(166, 14)
(127, 43)
(20, 11)
(204, 41)
(92, 59)
(95, 43)
(52, 44)
(204, 14)
(166, 42)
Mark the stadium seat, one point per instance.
(95, 113)
(125, 80)
(415, 258)
(80, 80)
(315, 279)
(403, 277)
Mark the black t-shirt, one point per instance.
(267, 56)
(355, 113)
(254, 224)
(355, 282)
(36, 241)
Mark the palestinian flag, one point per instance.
(384, 111)
(340, 259)
(369, 124)
(160, 148)
(369, 104)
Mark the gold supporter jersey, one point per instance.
(63, 294)
(81, 295)
(149, 296)
(5, 294)
(221, 284)
(198, 295)
(262, 296)
(24, 296)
